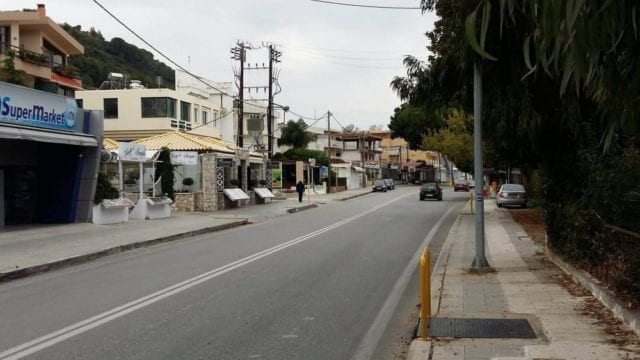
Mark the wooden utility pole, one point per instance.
(239, 53)
(274, 56)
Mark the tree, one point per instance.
(295, 134)
(455, 140)
(412, 122)
(306, 154)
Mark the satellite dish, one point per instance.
(349, 128)
(106, 156)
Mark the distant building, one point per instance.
(49, 153)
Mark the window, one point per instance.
(195, 113)
(158, 107)
(204, 117)
(110, 108)
(185, 110)
(80, 103)
(5, 38)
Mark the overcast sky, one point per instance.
(335, 58)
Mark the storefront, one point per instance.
(49, 157)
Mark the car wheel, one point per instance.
(524, 206)
(440, 198)
(499, 205)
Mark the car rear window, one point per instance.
(512, 187)
(429, 186)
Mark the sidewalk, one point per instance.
(525, 285)
(31, 249)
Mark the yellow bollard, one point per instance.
(425, 291)
(471, 199)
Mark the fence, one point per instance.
(616, 261)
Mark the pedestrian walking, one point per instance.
(300, 190)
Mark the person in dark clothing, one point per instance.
(300, 190)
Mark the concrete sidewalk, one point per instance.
(31, 249)
(525, 285)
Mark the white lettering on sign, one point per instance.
(184, 158)
(132, 152)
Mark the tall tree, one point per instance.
(295, 134)
(455, 140)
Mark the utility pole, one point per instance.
(479, 261)
(239, 53)
(274, 56)
(329, 147)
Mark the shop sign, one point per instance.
(132, 152)
(184, 158)
(24, 106)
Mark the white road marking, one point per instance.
(80, 327)
(379, 325)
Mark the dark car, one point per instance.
(461, 185)
(430, 190)
(380, 185)
(512, 194)
(390, 184)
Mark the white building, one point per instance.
(133, 112)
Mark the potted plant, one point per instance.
(187, 182)
(109, 208)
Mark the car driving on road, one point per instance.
(430, 190)
(380, 185)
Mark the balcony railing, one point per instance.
(46, 60)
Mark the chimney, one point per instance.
(41, 10)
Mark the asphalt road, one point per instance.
(327, 283)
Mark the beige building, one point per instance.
(135, 113)
(41, 48)
(396, 151)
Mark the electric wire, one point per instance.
(368, 6)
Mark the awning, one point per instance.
(8, 132)
(357, 169)
(66, 81)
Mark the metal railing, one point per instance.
(616, 260)
(46, 60)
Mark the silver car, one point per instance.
(512, 195)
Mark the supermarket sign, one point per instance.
(24, 106)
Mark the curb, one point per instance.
(629, 317)
(301, 208)
(75, 260)
(353, 196)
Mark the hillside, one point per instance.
(102, 57)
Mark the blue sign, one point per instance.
(24, 106)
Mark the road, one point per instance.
(320, 284)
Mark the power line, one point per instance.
(342, 57)
(368, 6)
(296, 46)
(169, 59)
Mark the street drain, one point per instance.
(480, 328)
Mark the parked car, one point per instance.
(461, 185)
(512, 194)
(430, 190)
(390, 184)
(472, 184)
(380, 185)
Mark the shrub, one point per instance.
(104, 190)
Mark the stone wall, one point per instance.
(186, 202)
(209, 199)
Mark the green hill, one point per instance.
(102, 57)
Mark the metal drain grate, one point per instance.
(481, 328)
